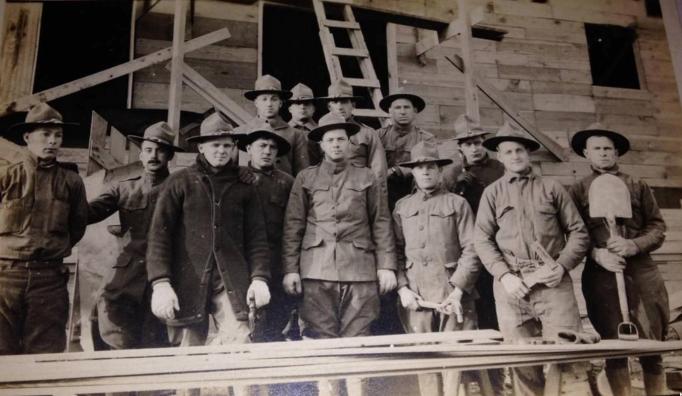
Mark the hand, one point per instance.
(553, 277)
(453, 304)
(608, 260)
(408, 298)
(246, 175)
(164, 301)
(292, 284)
(622, 247)
(258, 292)
(387, 280)
(514, 286)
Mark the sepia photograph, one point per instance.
(340, 197)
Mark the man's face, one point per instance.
(335, 144)
(514, 156)
(44, 142)
(601, 152)
(302, 111)
(263, 153)
(427, 176)
(342, 108)
(268, 105)
(402, 112)
(219, 152)
(154, 156)
(472, 149)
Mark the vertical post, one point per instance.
(470, 89)
(392, 57)
(131, 52)
(2, 22)
(175, 92)
(672, 20)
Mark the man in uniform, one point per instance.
(43, 213)
(208, 242)
(437, 261)
(268, 97)
(629, 253)
(365, 146)
(123, 311)
(273, 186)
(518, 213)
(398, 140)
(338, 240)
(302, 110)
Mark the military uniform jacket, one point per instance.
(134, 199)
(484, 173)
(297, 158)
(434, 237)
(367, 150)
(195, 228)
(315, 153)
(43, 210)
(398, 143)
(337, 225)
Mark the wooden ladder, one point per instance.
(358, 51)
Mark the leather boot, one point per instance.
(619, 380)
(654, 384)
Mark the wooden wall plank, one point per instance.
(19, 49)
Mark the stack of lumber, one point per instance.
(669, 256)
(310, 360)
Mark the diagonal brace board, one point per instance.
(23, 103)
(498, 98)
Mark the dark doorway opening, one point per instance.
(79, 38)
(612, 56)
(292, 51)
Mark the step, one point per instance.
(363, 82)
(369, 113)
(358, 53)
(347, 2)
(341, 24)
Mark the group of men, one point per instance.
(304, 232)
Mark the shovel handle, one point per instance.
(622, 296)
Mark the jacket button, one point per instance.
(421, 227)
(423, 245)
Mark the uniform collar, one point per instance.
(309, 125)
(208, 169)
(333, 168)
(425, 195)
(275, 123)
(614, 170)
(267, 172)
(404, 131)
(156, 177)
(511, 177)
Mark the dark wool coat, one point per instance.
(192, 224)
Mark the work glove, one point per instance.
(408, 298)
(292, 283)
(622, 247)
(387, 280)
(258, 292)
(514, 286)
(608, 260)
(453, 304)
(553, 278)
(246, 176)
(164, 301)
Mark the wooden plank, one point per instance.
(177, 60)
(355, 52)
(498, 97)
(392, 56)
(118, 146)
(23, 103)
(19, 48)
(470, 90)
(363, 82)
(340, 24)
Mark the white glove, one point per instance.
(258, 292)
(608, 260)
(408, 298)
(164, 301)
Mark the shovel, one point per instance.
(609, 198)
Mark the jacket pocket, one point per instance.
(546, 222)
(15, 215)
(364, 245)
(311, 242)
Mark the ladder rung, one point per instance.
(348, 2)
(358, 53)
(363, 82)
(341, 24)
(369, 113)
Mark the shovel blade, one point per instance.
(609, 197)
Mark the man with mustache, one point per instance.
(208, 244)
(43, 213)
(123, 311)
(338, 242)
(517, 212)
(269, 97)
(302, 109)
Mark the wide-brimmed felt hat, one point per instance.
(302, 93)
(340, 90)
(330, 122)
(579, 139)
(465, 128)
(267, 84)
(417, 101)
(160, 133)
(509, 133)
(214, 127)
(424, 153)
(283, 146)
(38, 116)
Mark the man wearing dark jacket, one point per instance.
(124, 316)
(208, 243)
(43, 213)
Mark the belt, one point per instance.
(31, 264)
(519, 265)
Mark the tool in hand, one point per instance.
(549, 266)
(609, 198)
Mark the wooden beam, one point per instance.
(23, 103)
(392, 57)
(175, 91)
(470, 91)
(498, 98)
(2, 20)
